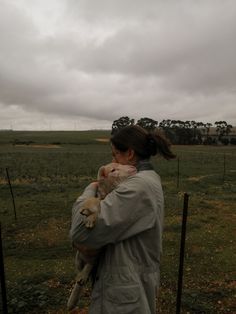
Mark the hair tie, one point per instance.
(150, 139)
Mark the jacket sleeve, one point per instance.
(125, 212)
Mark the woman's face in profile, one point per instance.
(118, 156)
(123, 158)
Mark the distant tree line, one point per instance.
(183, 132)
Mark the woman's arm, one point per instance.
(126, 211)
(90, 191)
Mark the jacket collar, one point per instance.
(144, 165)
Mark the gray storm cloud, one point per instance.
(101, 60)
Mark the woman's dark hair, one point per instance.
(145, 144)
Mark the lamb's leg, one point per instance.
(74, 296)
(81, 279)
(78, 261)
(83, 275)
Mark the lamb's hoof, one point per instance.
(74, 297)
(89, 224)
(80, 282)
(81, 279)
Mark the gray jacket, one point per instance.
(130, 228)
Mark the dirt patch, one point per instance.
(225, 206)
(48, 233)
(103, 140)
(196, 178)
(39, 145)
(218, 203)
(17, 181)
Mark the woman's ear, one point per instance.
(131, 155)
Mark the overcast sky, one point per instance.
(81, 64)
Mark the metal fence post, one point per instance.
(224, 168)
(12, 195)
(2, 277)
(181, 255)
(178, 172)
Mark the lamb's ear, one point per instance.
(101, 173)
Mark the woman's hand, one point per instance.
(94, 184)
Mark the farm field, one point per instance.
(48, 170)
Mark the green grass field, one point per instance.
(48, 170)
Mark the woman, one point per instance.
(129, 228)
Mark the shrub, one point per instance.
(224, 141)
(233, 141)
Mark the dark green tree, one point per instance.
(208, 126)
(222, 128)
(147, 123)
(167, 127)
(121, 123)
(228, 129)
(182, 132)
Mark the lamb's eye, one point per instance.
(113, 170)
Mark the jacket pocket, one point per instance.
(121, 298)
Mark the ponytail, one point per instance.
(159, 144)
